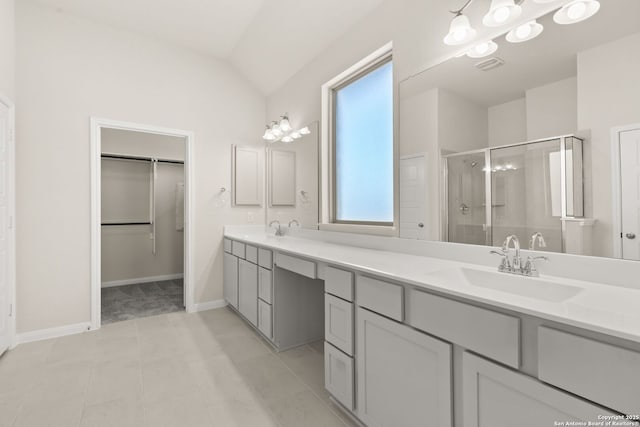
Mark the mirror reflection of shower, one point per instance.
(532, 187)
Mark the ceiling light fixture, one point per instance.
(460, 30)
(501, 12)
(576, 11)
(482, 49)
(282, 130)
(524, 32)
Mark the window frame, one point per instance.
(328, 218)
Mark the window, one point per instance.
(362, 147)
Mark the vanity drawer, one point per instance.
(251, 253)
(227, 245)
(338, 375)
(382, 297)
(494, 335)
(265, 318)
(339, 283)
(297, 265)
(600, 372)
(264, 285)
(338, 323)
(265, 258)
(237, 248)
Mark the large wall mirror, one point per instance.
(520, 141)
(292, 184)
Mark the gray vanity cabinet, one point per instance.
(404, 376)
(495, 396)
(248, 290)
(230, 279)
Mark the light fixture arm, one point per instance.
(459, 11)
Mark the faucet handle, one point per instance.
(530, 266)
(504, 265)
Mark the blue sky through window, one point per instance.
(364, 148)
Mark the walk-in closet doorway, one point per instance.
(141, 220)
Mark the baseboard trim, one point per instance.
(142, 280)
(209, 305)
(45, 334)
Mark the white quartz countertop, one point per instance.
(607, 309)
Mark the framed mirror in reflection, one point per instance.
(526, 140)
(292, 184)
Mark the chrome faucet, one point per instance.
(514, 266)
(279, 229)
(516, 263)
(294, 221)
(537, 237)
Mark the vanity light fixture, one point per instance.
(482, 49)
(576, 11)
(282, 130)
(501, 12)
(460, 31)
(524, 32)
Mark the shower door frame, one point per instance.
(488, 190)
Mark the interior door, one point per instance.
(630, 192)
(412, 198)
(6, 209)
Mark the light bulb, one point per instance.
(483, 49)
(287, 139)
(304, 131)
(295, 135)
(267, 134)
(285, 126)
(275, 129)
(501, 14)
(523, 31)
(460, 31)
(576, 10)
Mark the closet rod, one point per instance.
(144, 159)
(126, 223)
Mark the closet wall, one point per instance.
(127, 255)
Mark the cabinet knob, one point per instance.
(631, 236)
(421, 225)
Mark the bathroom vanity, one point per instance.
(414, 336)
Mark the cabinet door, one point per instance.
(404, 376)
(264, 285)
(338, 323)
(248, 290)
(230, 273)
(265, 319)
(338, 375)
(494, 396)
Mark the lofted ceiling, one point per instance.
(266, 40)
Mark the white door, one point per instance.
(6, 212)
(412, 198)
(630, 193)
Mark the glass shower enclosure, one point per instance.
(516, 189)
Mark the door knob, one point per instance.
(421, 225)
(631, 236)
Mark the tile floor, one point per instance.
(141, 300)
(178, 369)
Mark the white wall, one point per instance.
(608, 96)
(462, 124)
(7, 48)
(552, 109)
(69, 69)
(508, 123)
(126, 142)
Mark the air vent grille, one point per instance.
(490, 64)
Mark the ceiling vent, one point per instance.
(490, 64)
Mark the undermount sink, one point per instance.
(529, 287)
